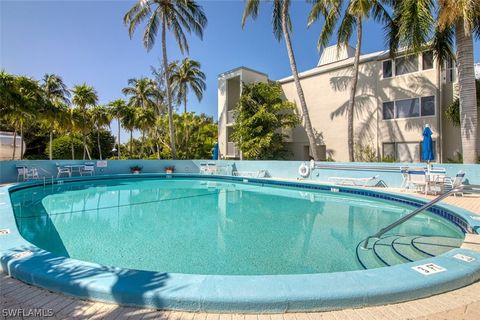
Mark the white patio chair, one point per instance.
(418, 179)
(62, 170)
(87, 169)
(21, 173)
(450, 184)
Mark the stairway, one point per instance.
(396, 249)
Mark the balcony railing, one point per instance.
(232, 150)
(230, 117)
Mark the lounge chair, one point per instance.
(361, 182)
(450, 183)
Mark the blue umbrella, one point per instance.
(427, 145)
(215, 151)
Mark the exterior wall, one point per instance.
(229, 90)
(327, 96)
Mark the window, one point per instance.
(387, 69)
(388, 110)
(405, 151)
(408, 151)
(389, 150)
(407, 64)
(427, 60)
(428, 106)
(408, 108)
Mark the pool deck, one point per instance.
(463, 303)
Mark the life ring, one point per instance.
(303, 170)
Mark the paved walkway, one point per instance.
(16, 297)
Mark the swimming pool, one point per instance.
(231, 244)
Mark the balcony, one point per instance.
(230, 117)
(232, 150)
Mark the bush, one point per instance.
(365, 153)
(61, 148)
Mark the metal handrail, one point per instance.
(417, 211)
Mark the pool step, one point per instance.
(396, 249)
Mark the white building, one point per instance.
(395, 100)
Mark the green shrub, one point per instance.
(61, 148)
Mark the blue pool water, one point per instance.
(209, 227)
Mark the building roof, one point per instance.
(241, 68)
(335, 53)
(379, 55)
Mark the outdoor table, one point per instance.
(74, 168)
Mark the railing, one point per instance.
(230, 116)
(232, 150)
(469, 188)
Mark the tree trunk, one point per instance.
(301, 97)
(98, 144)
(187, 150)
(72, 147)
(14, 140)
(21, 141)
(467, 94)
(131, 144)
(167, 91)
(353, 92)
(142, 146)
(118, 141)
(50, 147)
(84, 137)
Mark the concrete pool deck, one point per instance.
(463, 303)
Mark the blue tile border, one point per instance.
(278, 293)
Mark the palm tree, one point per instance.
(144, 119)
(176, 16)
(84, 96)
(101, 118)
(415, 22)
(282, 26)
(129, 122)
(356, 12)
(57, 94)
(143, 93)
(117, 108)
(185, 76)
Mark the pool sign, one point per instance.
(102, 164)
(428, 269)
(464, 257)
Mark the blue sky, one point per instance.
(86, 41)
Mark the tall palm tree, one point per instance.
(57, 94)
(356, 12)
(185, 76)
(282, 26)
(176, 16)
(117, 108)
(415, 22)
(101, 118)
(84, 96)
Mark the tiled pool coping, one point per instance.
(277, 293)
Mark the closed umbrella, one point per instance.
(427, 145)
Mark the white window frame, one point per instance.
(420, 65)
(396, 143)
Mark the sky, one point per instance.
(86, 42)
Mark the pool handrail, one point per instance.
(471, 188)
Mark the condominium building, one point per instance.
(395, 100)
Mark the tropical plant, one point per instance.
(176, 16)
(452, 113)
(413, 25)
(261, 116)
(117, 108)
(129, 122)
(61, 147)
(355, 14)
(101, 117)
(282, 26)
(105, 142)
(185, 76)
(144, 120)
(84, 96)
(57, 94)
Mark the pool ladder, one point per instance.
(381, 232)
